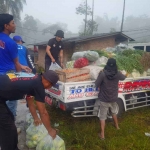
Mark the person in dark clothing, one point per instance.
(15, 86)
(107, 81)
(54, 50)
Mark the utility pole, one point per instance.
(85, 17)
(122, 16)
(92, 16)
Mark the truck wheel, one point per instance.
(119, 109)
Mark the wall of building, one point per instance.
(97, 44)
(42, 52)
(70, 48)
(41, 56)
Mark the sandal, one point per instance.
(100, 137)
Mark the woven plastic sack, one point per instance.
(54, 66)
(100, 61)
(91, 55)
(35, 134)
(70, 64)
(78, 55)
(81, 62)
(94, 71)
(49, 144)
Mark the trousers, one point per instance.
(8, 130)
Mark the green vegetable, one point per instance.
(129, 63)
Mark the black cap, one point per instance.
(111, 64)
(59, 33)
(51, 76)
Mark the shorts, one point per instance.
(104, 109)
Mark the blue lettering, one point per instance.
(78, 91)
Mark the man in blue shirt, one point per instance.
(8, 48)
(24, 59)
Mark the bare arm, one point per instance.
(45, 118)
(30, 101)
(20, 67)
(48, 48)
(61, 58)
(17, 65)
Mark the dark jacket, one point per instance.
(30, 62)
(107, 81)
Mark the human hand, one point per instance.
(37, 122)
(53, 60)
(26, 68)
(62, 65)
(52, 133)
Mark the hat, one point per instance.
(18, 38)
(51, 76)
(111, 64)
(59, 33)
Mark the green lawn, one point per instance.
(82, 133)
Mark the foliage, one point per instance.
(40, 69)
(12, 6)
(54, 27)
(82, 133)
(81, 9)
(129, 52)
(102, 53)
(92, 26)
(129, 63)
(145, 60)
(30, 23)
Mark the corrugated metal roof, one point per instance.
(87, 38)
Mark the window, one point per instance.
(147, 48)
(139, 47)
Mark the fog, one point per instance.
(53, 14)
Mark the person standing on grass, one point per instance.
(54, 50)
(24, 59)
(107, 81)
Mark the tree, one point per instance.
(84, 9)
(91, 26)
(30, 23)
(54, 27)
(106, 25)
(12, 6)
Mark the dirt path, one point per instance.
(22, 110)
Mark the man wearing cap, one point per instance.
(15, 86)
(23, 55)
(24, 59)
(107, 81)
(8, 48)
(54, 50)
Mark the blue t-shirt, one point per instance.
(8, 52)
(22, 55)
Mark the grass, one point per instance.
(82, 133)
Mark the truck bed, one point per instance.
(86, 90)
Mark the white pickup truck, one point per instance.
(81, 98)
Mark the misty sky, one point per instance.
(52, 11)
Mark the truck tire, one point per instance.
(119, 110)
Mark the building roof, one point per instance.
(78, 39)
